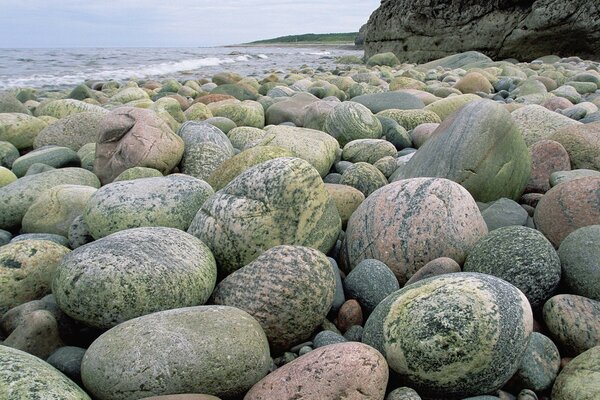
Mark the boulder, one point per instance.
(377, 102)
(349, 121)
(479, 147)
(242, 113)
(64, 107)
(538, 123)
(364, 177)
(72, 131)
(582, 143)
(292, 109)
(547, 157)
(540, 364)
(53, 156)
(116, 278)
(134, 137)
(579, 255)
(419, 31)
(579, 379)
(367, 150)
(20, 129)
(370, 282)
(8, 154)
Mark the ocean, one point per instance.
(60, 69)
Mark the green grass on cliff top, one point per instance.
(311, 38)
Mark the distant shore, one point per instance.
(331, 45)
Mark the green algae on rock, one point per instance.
(20, 129)
(280, 201)
(455, 335)
(215, 350)
(118, 277)
(349, 121)
(580, 379)
(23, 376)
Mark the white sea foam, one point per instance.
(262, 56)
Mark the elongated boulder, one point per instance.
(20, 129)
(53, 156)
(350, 121)
(290, 110)
(72, 131)
(134, 137)
(17, 197)
(480, 148)
(23, 376)
(316, 147)
(377, 102)
(119, 277)
(26, 271)
(170, 201)
(288, 289)
(338, 371)
(216, 350)
(408, 223)
(453, 336)
(64, 107)
(281, 201)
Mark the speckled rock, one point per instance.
(370, 282)
(345, 370)
(449, 105)
(54, 156)
(134, 137)
(26, 270)
(280, 201)
(242, 136)
(36, 334)
(395, 133)
(435, 267)
(20, 129)
(72, 131)
(237, 164)
(58, 239)
(67, 359)
(547, 157)
(87, 155)
(582, 142)
(538, 123)
(350, 314)
(64, 107)
(559, 177)
(23, 376)
(364, 177)
(408, 223)
(579, 255)
(540, 364)
(367, 150)
(504, 212)
(350, 121)
(346, 198)
(242, 113)
(56, 208)
(409, 119)
(287, 289)
(127, 94)
(206, 147)
(38, 168)
(125, 270)
(138, 173)
(170, 201)
(472, 347)
(78, 234)
(479, 147)
(574, 322)
(579, 380)
(521, 256)
(216, 350)
(377, 102)
(567, 207)
(316, 113)
(8, 154)
(403, 393)
(316, 147)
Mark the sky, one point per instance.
(171, 23)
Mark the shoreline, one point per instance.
(334, 45)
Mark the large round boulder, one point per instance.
(408, 223)
(288, 289)
(133, 273)
(60, 108)
(216, 350)
(280, 201)
(170, 201)
(579, 255)
(20, 129)
(72, 131)
(582, 142)
(479, 147)
(350, 121)
(453, 336)
(134, 137)
(23, 376)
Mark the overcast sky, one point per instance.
(171, 23)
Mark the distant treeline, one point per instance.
(312, 38)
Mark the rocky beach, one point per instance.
(367, 229)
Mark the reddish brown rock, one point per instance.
(37, 334)
(531, 199)
(439, 266)
(557, 103)
(567, 207)
(213, 98)
(422, 133)
(582, 142)
(134, 137)
(349, 370)
(350, 314)
(547, 156)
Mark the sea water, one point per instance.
(59, 69)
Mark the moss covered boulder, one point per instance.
(137, 173)
(582, 142)
(243, 136)
(288, 289)
(316, 147)
(579, 255)
(280, 201)
(170, 201)
(364, 177)
(389, 59)
(6, 176)
(521, 256)
(20, 129)
(215, 350)
(23, 376)
(408, 223)
(54, 156)
(449, 105)
(346, 198)
(580, 378)
(73, 131)
(242, 113)
(127, 94)
(17, 197)
(8, 154)
(56, 208)
(409, 119)
(453, 336)
(350, 121)
(367, 150)
(481, 148)
(26, 270)
(117, 278)
(64, 107)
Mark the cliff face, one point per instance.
(423, 30)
